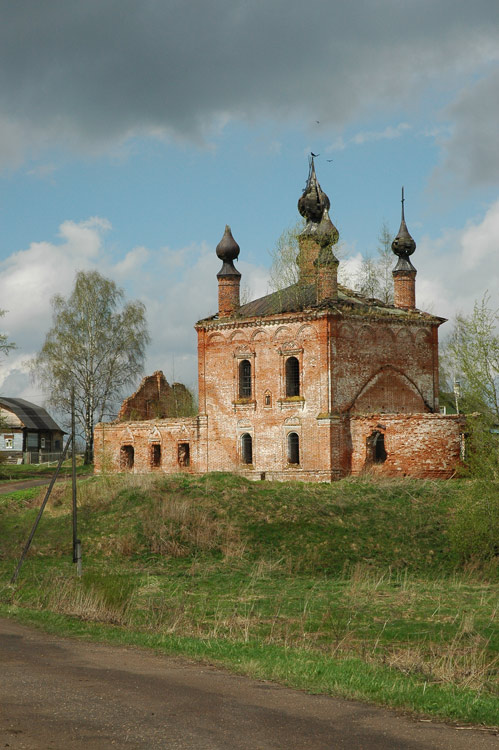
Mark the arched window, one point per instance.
(293, 448)
(155, 455)
(292, 377)
(126, 457)
(245, 378)
(379, 449)
(246, 448)
(375, 448)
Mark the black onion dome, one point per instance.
(403, 245)
(227, 249)
(327, 234)
(314, 200)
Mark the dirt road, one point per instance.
(25, 484)
(62, 693)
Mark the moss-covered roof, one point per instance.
(302, 297)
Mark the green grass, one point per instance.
(355, 589)
(21, 472)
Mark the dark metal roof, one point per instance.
(301, 297)
(32, 416)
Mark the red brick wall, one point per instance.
(266, 346)
(417, 445)
(228, 295)
(404, 289)
(404, 353)
(156, 399)
(349, 367)
(141, 436)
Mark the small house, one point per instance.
(26, 428)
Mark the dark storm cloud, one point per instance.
(88, 74)
(473, 150)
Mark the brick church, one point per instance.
(312, 382)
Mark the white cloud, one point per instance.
(368, 136)
(457, 268)
(178, 287)
(388, 133)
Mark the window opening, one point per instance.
(292, 377)
(268, 399)
(293, 448)
(183, 454)
(9, 441)
(246, 448)
(245, 379)
(126, 457)
(376, 451)
(155, 455)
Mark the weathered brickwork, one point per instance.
(313, 382)
(417, 445)
(168, 445)
(156, 399)
(404, 289)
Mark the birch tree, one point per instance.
(96, 345)
(473, 358)
(5, 344)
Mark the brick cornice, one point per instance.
(412, 318)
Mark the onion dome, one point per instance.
(403, 245)
(327, 234)
(314, 200)
(228, 250)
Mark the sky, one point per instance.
(132, 133)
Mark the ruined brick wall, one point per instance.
(156, 399)
(346, 366)
(416, 445)
(167, 445)
(384, 365)
(356, 377)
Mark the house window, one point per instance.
(267, 399)
(126, 457)
(32, 440)
(155, 455)
(375, 448)
(246, 448)
(42, 443)
(292, 377)
(183, 454)
(245, 378)
(293, 448)
(9, 441)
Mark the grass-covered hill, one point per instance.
(380, 590)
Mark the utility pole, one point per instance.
(40, 512)
(76, 541)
